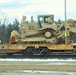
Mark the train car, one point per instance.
(42, 38)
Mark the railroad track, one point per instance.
(40, 56)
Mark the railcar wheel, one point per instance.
(27, 52)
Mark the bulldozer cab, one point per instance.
(45, 19)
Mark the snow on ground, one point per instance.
(64, 60)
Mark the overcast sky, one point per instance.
(17, 8)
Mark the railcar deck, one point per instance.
(30, 50)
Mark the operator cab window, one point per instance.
(46, 19)
(40, 22)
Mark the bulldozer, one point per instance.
(45, 30)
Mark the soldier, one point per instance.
(67, 41)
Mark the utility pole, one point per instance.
(65, 22)
(65, 8)
(67, 40)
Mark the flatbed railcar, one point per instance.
(37, 49)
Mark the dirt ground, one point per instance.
(11, 66)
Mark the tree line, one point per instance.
(5, 30)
